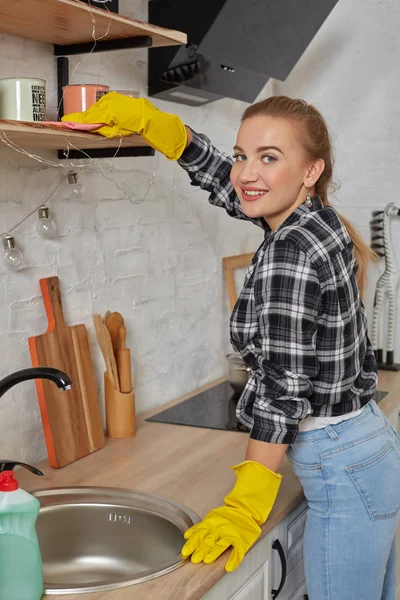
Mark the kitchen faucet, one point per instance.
(61, 379)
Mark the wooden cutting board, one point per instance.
(230, 263)
(71, 420)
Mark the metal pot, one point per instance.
(238, 372)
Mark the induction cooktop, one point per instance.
(214, 408)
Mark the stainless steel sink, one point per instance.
(94, 538)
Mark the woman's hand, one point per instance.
(237, 523)
(123, 116)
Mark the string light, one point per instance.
(43, 204)
(45, 225)
(13, 258)
(76, 191)
(32, 212)
(6, 140)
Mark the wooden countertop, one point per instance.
(189, 465)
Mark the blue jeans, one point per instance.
(350, 473)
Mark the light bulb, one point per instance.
(13, 258)
(78, 165)
(45, 225)
(76, 191)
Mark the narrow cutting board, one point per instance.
(88, 387)
(71, 420)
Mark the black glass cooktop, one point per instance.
(214, 408)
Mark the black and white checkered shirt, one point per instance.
(299, 323)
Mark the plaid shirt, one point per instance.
(299, 323)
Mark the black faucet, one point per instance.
(61, 379)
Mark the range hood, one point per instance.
(234, 46)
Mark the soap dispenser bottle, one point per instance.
(21, 572)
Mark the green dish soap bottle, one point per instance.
(21, 571)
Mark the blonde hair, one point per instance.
(317, 144)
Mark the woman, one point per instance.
(301, 327)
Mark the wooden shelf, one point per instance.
(70, 22)
(28, 135)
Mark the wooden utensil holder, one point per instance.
(120, 411)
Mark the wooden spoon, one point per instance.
(105, 345)
(110, 352)
(113, 323)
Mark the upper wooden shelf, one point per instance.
(71, 22)
(29, 135)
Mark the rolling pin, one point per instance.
(124, 362)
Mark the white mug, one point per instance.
(23, 99)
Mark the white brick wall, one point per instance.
(159, 261)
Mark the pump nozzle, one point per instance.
(8, 483)
(9, 465)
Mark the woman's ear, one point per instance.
(314, 173)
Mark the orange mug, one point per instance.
(79, 96)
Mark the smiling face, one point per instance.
(272, 172)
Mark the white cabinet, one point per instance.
(287, 555)
(250, 581)
(256, 588)
(263, 568)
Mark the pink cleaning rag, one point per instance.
(72, 125)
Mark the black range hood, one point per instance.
(234, 46)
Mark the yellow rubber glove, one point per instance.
(237, 523)
(124, 116)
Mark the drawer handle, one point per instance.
(276, 545)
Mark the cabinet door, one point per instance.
(278, 534)
(294, 582)
(300, 593)
(256, 588)
(287, 563)
(295, 535)
(250, 581)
